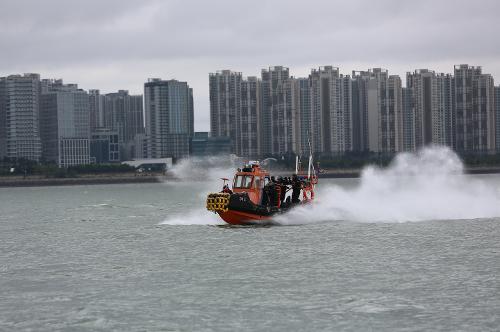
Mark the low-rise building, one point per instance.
(104, 146)
(202, 145)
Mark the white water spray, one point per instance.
(205, 169)
(205, 174)
(195, 217)
(427, 185)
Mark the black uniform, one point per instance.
(296, 188)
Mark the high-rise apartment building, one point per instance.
(474, 110)
(344, 123)
(65, 123)
(391, 119)
(331, 104)
(360, 80)
(19, 115)
(248, 119)
(96, 104)
(497, 114)
(225, 106)
(305, 122)
(119, 112)
(378, 96)
(408, 120)
(279, 112)
(3, 118)
(432, 100)
(423, 84)
(445, 135)
(323, 89)
(123, 113)
(169, 118)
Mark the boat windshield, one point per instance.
(257, 183)
(243, 181)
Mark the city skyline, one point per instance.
(273, 115)
(368, 111)
(206, 117)
(115, 47)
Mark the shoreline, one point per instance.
(37, 181)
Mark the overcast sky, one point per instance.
(118, 44)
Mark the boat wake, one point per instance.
(197, 217)
(427, 185)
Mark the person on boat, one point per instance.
(269, 193)
(283, 188)
(265, 195)
(273, 191)
(226, 189)
(296, 188)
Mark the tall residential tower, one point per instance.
(169, 118)
(279, 112)
(379, 115)
(474, 110)
(331, 105)
(431, 103)
(497, 114)
(19, 117)
(225, 105)
(248, 132)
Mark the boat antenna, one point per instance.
(310, 157)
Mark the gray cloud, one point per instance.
(118, 44)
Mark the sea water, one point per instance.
(412, 247)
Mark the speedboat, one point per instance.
(256, 197)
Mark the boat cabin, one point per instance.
(251, 179)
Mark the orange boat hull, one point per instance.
(243, 218)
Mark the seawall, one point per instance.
(37, 181)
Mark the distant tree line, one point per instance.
(358, 160)
(350, 160)
(25, 167)
(481, 160)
